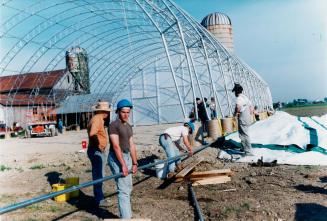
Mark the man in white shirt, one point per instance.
(243, 111)
(170, 140)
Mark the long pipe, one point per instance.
(90, 183)
(195, 203)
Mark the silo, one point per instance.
(77, 64)
(220, 26)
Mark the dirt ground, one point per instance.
(30, 166)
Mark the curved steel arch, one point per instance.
(122, 38)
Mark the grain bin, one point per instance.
(220, 26)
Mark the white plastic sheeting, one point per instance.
(285, 129)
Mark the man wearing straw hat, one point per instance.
(122, 156)
(98, 141)
(243, 111)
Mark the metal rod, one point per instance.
(157, 91)
(213, 87)
(225, 87)
(25, 203)
(132, 99)
(173, 74)
(195, 203)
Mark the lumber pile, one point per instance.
(205, 177)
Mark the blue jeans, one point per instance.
(171, 151)
(124, 184)
(98, 160)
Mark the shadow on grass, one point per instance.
(145, 161)
(311, 189)
(54, 177)
(323, 179)
(310, 211)
(87, 203)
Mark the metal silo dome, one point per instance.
(216, 18)
(220, 26)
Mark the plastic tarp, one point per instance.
(287, 139)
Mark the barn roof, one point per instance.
(28, 81)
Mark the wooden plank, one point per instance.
(222, 172)
(188, 168)
(205, 174)
(212, 180)
(203, 178)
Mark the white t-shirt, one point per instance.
(244, 103)
(177, 133)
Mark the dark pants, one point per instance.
(204, 125)
(98, 160)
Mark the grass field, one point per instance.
(307, 110)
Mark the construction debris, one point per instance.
(203, 177)
(188, 168)
(211, 180)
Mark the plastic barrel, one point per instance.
(227, 125)
(161, 170)
(73, 181)
(214, 129)
(63, 197)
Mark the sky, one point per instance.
(285, 41)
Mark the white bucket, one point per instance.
(161, 170)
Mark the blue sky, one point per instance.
(283, 40)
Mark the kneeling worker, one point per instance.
(170, 140)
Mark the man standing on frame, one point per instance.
(243, 112)
(122, 156)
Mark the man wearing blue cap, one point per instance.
(170, 140)
(122, 156)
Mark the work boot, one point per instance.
(170, 175)
(103, 203)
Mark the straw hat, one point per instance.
(101, 106)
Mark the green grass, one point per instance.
(306, 106)
(307, 110)
(54, 209)
(237, 209)
(37, 167)
(34, 207)
(4, 168)
(19, 169)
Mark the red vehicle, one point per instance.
(47, 129)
